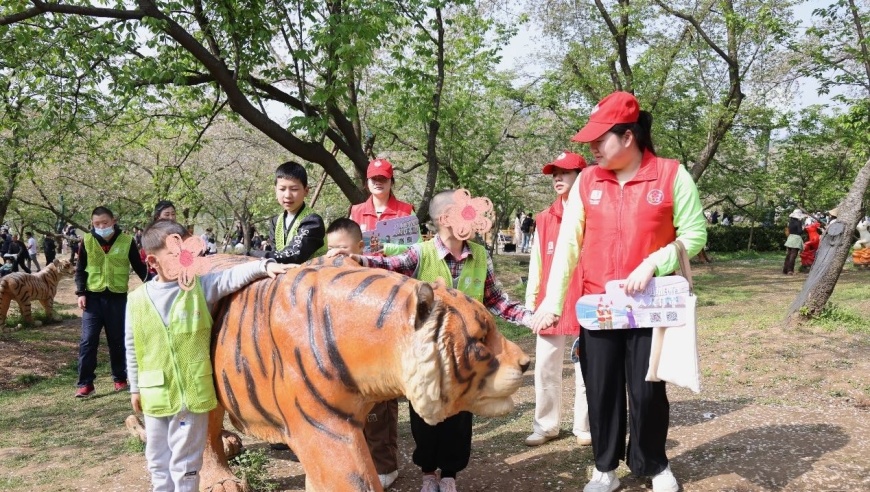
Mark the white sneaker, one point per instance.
(447, 485)
(584, 439)
(430, 483)
(603, 482)
(665, 481)
(387, 479)
(536, 439)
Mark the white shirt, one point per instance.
(31, 246)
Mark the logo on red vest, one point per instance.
(595, 197)
(550, 247)
(655, 197)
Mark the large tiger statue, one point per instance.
(301, 359)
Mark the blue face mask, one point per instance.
(105, 232)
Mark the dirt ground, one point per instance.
(781, 410)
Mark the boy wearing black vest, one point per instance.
(298, 233)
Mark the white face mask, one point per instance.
(105, 232)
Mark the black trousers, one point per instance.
(20, 263)
(790, 257)
(103, 310)
(446, 446)
(610, 361)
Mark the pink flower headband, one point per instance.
(467, 215)
(184, 261)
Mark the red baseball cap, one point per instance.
(566, 160)
(616, 109)
(380, 167)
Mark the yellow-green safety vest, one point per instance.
(174, 362)
(472, 277)
(281, 239)
(108, 270)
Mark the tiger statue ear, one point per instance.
(439, 283)
(425, 303)
(422, 362)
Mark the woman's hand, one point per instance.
(543, 320)
(640, 277)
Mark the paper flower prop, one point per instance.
(467, 215)
(183, 260)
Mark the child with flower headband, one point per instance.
(168, 337)
(464, 265)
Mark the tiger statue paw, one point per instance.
(302, 358)
(135, 427)
(232, 484)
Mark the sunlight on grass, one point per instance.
(836, 317)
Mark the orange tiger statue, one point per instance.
(301, 359)
(24, 288)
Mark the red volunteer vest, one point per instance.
(624, 225)
(364, 213)
(547, 227)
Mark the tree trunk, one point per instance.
(434, 126)
(832, 253)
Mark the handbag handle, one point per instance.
(685, 267)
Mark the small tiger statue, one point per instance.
(301, 359)
(24, 288)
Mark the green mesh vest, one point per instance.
(472, 277)
(108, 270)
(174, 361)
(281, 238)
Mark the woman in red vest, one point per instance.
(625, 213)
(382, 424)
(550, 345)
(382, 204)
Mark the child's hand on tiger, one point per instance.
(136, 402)
(274, 269)
(333, 252)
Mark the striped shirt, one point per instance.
(494, 297)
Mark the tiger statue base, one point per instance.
(24, 288)
(302, 359)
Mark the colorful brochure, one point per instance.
(403, 230)
(661, 304)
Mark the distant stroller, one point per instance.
(808, 255)
(6, 269)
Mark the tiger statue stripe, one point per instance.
(24, 288)
(302, 358)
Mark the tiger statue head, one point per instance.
(456, 359)
(64, 266)
(302, 359)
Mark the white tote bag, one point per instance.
(674, 353)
